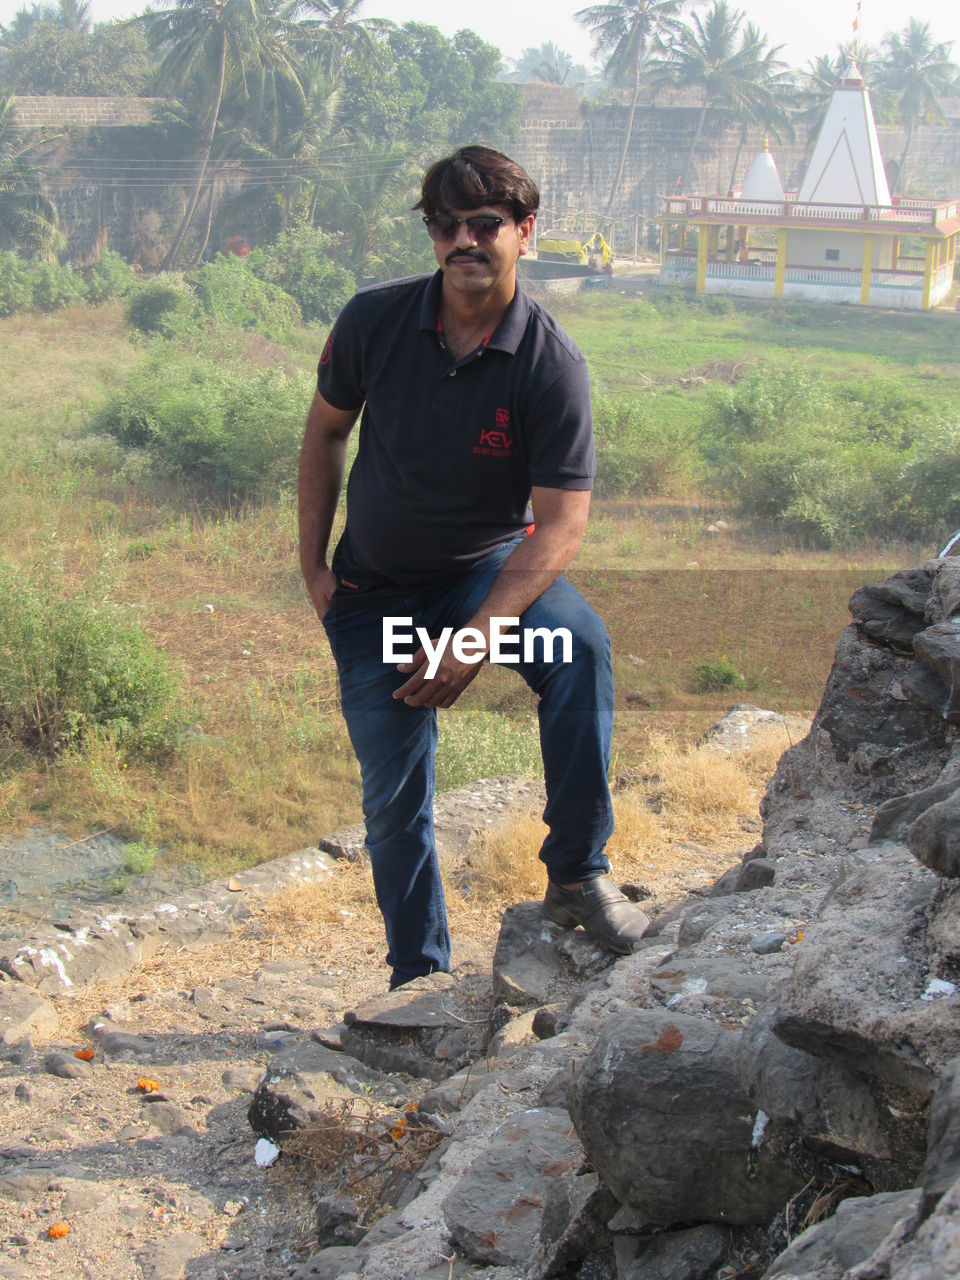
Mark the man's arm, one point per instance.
(320, 478)
(560, 517)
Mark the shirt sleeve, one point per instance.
(340, 371)
(559, 436)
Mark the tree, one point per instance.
(26, 215)
(916, 72)
(371, 201)
(714, 56)
(205, 44)
(626, 33)
(73, 15)
(112, 60)
(550, 64)
(763, 95)
(335, 29)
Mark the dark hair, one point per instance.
(477, 175)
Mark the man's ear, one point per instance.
(525, 228)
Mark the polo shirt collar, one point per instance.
(506, 336)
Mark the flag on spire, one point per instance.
(856, 20)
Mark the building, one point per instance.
(840, 238)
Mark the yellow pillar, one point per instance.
(703, 245)
(866, 271)
(781, 271)
(928, 274)
(895, 254)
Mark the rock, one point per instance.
(56, 960)
(338, 1221)
(769, 943)
(536, 960)
(67, 1068)
(331, 1264)
(170, 1119)
(738, 729)
(495, 1211)
(653, 1085)
(934, 838)
(828, 1250)
(894, 817)
(692, 1254)
(573, 1225)
(860, 973)
(167, 1260)
(26, 1187)
(424, 1028)
(932, 1251)
(825, 1101)
(121, 1043)
(889, 744)
(944, 598)
(723, 987)
(942, 1167)
(938, 649)
(907, 590)
(243, 1079)
(756, 874)
(545, 1021)
(297, 1081)
(24, 1014)
(943, 933)
(518, 1031)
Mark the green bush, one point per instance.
(230, 294)
(712, 675)
(70, 665)
(109, 278)
(163, 305)
(16, 284)
(55, 286)
(219, 431)
(637, 451)
(302, 263)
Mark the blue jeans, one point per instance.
(395, 746)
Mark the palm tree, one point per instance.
(73, 15)
(547, 63)
(714, 56)
(372, 198)
(762, 97)
(916, 72)
(628, 33)
(26, 215)
(334, 28)
(205, 43)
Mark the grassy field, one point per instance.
(264, 765)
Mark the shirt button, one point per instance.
(453, 373)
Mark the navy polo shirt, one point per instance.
(448, 450)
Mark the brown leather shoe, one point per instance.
(606, 915)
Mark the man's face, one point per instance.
(475, 262)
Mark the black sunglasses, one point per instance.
(482, 226)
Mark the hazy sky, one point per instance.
(805, 30)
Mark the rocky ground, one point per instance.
(769, 1086)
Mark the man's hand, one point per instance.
(321, 587)
(448, 682)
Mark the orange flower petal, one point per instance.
(146, 1085)
(84, 1054)
(58, 1230)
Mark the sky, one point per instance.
(805, 30)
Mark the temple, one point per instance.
(840, 238)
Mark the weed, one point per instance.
(712, 674)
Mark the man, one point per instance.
(475, 404)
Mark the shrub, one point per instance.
(637, 451)
(230, 294)
(711, 675)
(16, 284)
(302, 263)
(218, 431)
(162, 305)
(109, 278)
(69, 665)
(55, 286)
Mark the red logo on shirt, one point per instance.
(496, 442)
(327, 349)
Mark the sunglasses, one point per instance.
(482, 226)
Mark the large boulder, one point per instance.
(666, 1124)
(934, 838)
(829, 1249)
(942, 1168)
(860, 993)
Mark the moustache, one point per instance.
(476, 254)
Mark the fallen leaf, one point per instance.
(84, 1054)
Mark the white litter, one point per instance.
(265, 1153)
(938, 989)
(759, 1129)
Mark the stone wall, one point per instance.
(50, 110)
(573, 148)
